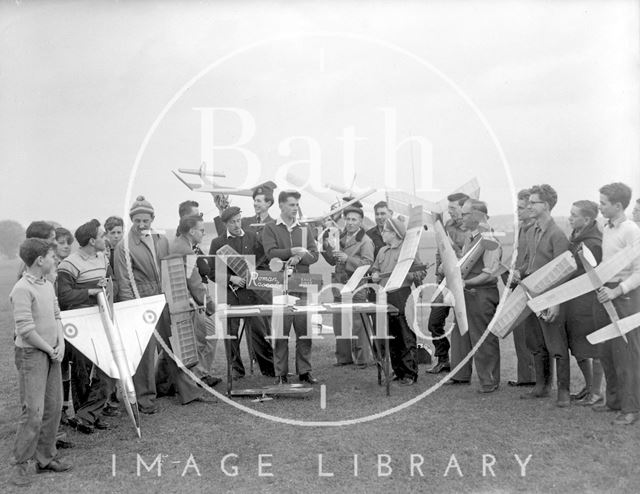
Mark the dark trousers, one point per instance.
(40, 385)
(481, 306)
(526, 369)
(620, 360)
(549, 341)
(169, 377)
(437, 320)
(402, 347)
(90, 393)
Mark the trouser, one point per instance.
(402, 347)
(548, 341)
(256, 331)
(481, 303)
(303, 344)
(168, 375)
(620, 360)
(204, 326)
(526, 367)
(40, 385)
(437, 319)
(354, 349)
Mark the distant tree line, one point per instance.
(11, 236)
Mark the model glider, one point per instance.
(96, 332)
(207, 185)
(408, 251)
(594, 278)
(452, 276)
(401, 202)
(513, 310)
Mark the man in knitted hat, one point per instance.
(403, 343)
(355, 250)
(137, 269)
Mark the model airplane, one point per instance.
(452, 275)
(401, 202)
(408, 251)
(95, 331)
(594, 278)
(208, 186)
(513, 310)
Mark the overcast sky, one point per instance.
(82, 84)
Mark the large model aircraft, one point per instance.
(96, 332)
(513, 310)
(594, 279)
(208, 186)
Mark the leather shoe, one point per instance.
(536, 392)
(453, 382)
(53, 466)
(100, 425)
(282, 380)
(487, 389)
(211, 381)
(580, 394)
(603, 408)
(516, 384)
(590, 400)
(626, 419)
(441, 366)
(64, 444)
(307, 378)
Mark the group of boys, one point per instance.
(134, 266)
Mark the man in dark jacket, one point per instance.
(288, 241)
(257, 328)
(579, 311)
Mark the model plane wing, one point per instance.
(611, 331)
(583, 284)
(452, 275)
(407, 251)
(136, 320)
(514, 309)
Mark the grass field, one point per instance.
(572, 450)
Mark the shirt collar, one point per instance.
(617, 222)
(231, 235)
(543, 225)
(280, 221)
(34, 279)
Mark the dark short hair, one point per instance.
(86, 232)
(32, 248)
(187, 223)
(40, 229)
(458, 197)
(524, 195)
(112, 222)
(380, 205)
(64, 233)
(477, 205)
(546, 193)
(587, 208)
(185, 208)
(286, 194)
(617, 192)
